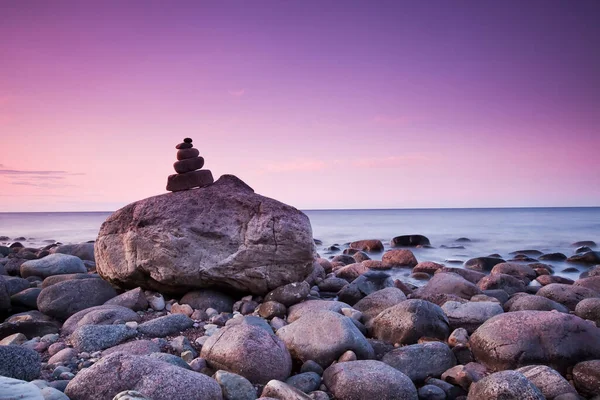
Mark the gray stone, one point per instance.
(431, 392)
(505, 385)
(53, 264)
(188, 165)
(249, 351)
(13, 389)
(278, 390)
(99, 315)
(364, 285)
(171, 359)
(289, 294)
(421, 361)
(483, 263)
(549, 381)
(92, 338)
(203, 299)
(222, 236)
(53, 280)
(407, 322)
(323, 337)
(311, 306)
(470, 315)
(234, 386)
(26, 298)
(251, 320)
(85, 251)
(19, 362)
(135, 348)
(367, 380)
(66, 298)
(305, 382)
(167, 325)
(134, 299)
(14, 284)
(156, 379)
(516, 339)
(376, 302)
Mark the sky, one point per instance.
(319, 104)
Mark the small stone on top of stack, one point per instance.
(188, 167)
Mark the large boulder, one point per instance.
(516, 339)
(378, 301)
(549, 381)
(153, 378)
(567, 295)
(53, 264)
(420, 361)
(220, 236)
(368, 380)
(323, 337)
(66, 298)
(249, 351)
(311, 306)
(408, 321)
(99, 315)
(470, 315)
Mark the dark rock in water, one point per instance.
(344, 258)
(470, 275)
(505, 385)
(318, 242)
(248, 351)
(522, 258)
(570, 270)
(407, 322)
(399, 258)
(483, 263)
(92, 338)
(582, 249)
(586, 376)
(26, 298)
(167, 325)
(305, 340)
(203, 299)
(567, 295)
(463, 240)
(54, 264)
(332, 248)
(420, 361)
(156, 379)
(371, 245)
(368, 379)
(536, 303)
(19, 362)
(189, 180)
(66, 298)
(452, 247)
(589, 258)
(223, 236)
(409, 241)
(527, 252)
(376, 302)
(588, 243)
(360, 256)
(133, 299)
(364, 285)
(553, 257)
(448, 283)
(549, 381)
(516, 339)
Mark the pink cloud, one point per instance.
(237, 93)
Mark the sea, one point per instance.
(490, 230)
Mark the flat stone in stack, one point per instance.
(188, 167)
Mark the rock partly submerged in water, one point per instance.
(220, 236)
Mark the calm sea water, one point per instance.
(491, 230)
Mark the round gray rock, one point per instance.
(167, 325)
(153, 378)
(92, 338)
(99, 315)
(376, 302)
(567, 295)
(323, 337)
(85, 251)
(420, 361)
(53, 264)
(19, 362)
(248, 351)
(134, 299)
(235, 386)
(368, 380)
(289, 294)
(470, 315)
(311, 306)
(505, 385)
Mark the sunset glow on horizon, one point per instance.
(317, 104)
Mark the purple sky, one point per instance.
(318, 104)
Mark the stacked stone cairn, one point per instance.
(188, 167)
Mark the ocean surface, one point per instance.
(501, 231)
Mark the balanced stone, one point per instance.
(189, 180)
(184, 154)
(187, 140)
(188, 165)
(184, 145)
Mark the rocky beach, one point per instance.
(216, 292)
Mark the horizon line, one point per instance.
(343, 209)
